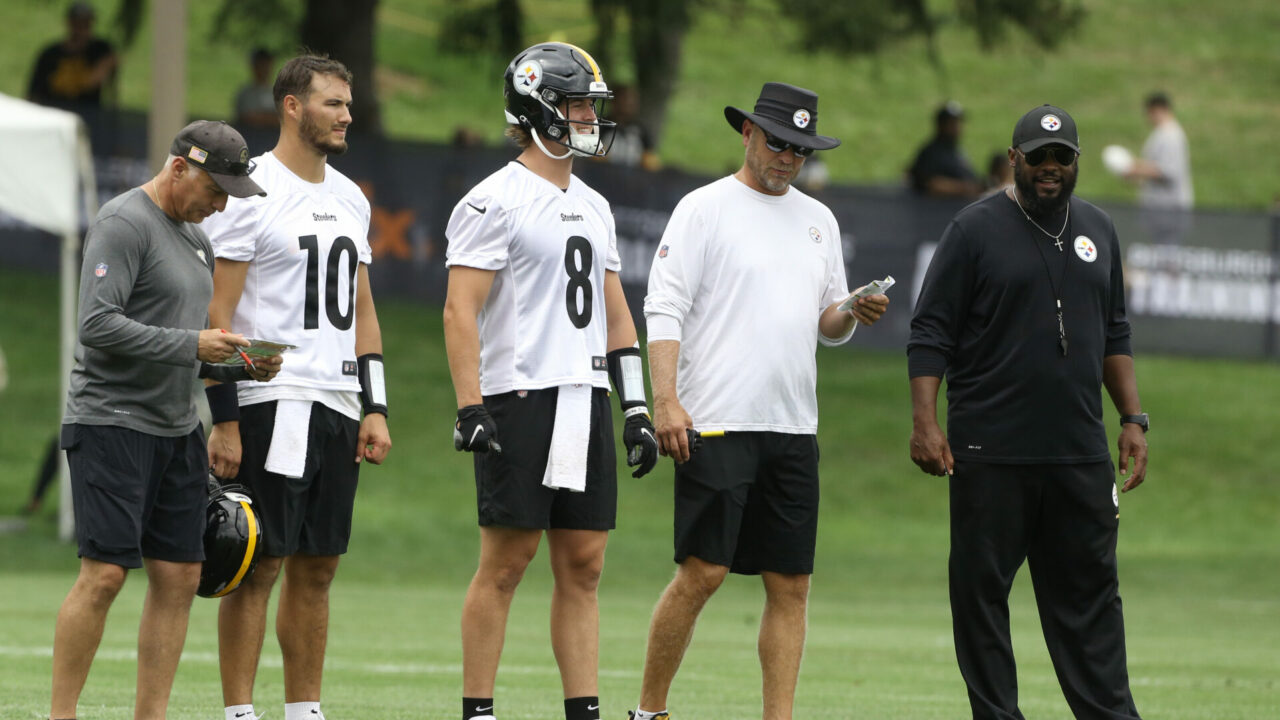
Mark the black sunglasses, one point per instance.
(780, 146)
(1062, 155)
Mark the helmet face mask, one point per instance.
(541, 85)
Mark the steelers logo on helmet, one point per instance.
(528, 77)
(1051, 123)
(801, 118)
(555, 91)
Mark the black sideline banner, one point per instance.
(1202, 283)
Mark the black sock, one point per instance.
(582, 708)
(476, 707)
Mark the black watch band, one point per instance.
(1140, 420)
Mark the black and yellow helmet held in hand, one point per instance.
(232, 539)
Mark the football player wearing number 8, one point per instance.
(293, 268)
(536, 326)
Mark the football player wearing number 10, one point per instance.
(536, 326)
(294, 269)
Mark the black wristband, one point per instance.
(224, 373)
(373, 387)
(224, 402)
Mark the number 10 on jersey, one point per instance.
(342, 245)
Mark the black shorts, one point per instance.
(310, 514)
(509, 489)
(137, 495)
(749, 501)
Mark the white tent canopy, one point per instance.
(45, 166)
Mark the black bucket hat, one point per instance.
(786, 112)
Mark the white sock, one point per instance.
(303, 711)
(241, 712)
(646, 715)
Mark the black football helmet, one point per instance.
(232, 539)
(542, 78)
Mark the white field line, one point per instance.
(330, 663)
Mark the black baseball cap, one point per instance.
(948, 111)
(1045, 125)
(218, 149)
(787, 112)
(80, 10)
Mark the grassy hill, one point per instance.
(1198, 548)
(1217, 60)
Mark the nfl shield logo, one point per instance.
(662, 252)
(100, 270)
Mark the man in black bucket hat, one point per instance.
(747, 280)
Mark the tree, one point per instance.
(867, 26)
(657, 30)
(342, 29)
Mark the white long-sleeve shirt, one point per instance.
(740, 280)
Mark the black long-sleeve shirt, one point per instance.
(987, 320)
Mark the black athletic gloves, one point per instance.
(642, 444)
(475, 431)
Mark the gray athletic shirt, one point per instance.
(145, 288)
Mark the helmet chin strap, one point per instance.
(569, 152)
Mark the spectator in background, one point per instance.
(71, 73)
(1163, 174)
(999, 174)
(632, 144)
(940, 169)
(464, 138)
(255, 105)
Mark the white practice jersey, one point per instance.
(544, 322)
(303, 242)
(740, 280)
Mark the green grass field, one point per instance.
(1218, 61)
(1199, 553)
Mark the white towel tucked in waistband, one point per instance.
(567, 460)
(288, 452)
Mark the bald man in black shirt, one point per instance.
(1023, 311)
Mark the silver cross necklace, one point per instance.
(1057, 239)
(1062, 279)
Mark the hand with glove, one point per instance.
(475, 430)
(641, 442)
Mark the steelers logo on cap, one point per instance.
(1051, 123)
(801, 118)
(528, 77)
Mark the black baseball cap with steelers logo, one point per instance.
(1045, 125)
(218, 149)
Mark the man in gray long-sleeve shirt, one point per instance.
(133, 441)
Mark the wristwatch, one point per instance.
(1141, 420)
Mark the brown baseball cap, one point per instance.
(218, 149)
